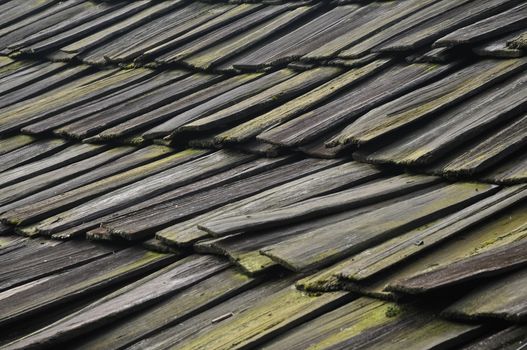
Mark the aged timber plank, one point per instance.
(223, 101)
(365, 46)
(127, 162)
(225, 49)
(367, 323)
(489, 263)
(68, 155)
(265, 100)
(254, 319)
(399, 249)
(499, 47)
(323, 246)
(511, 338)
(12, 143)
(359, 195)
(79, 281)
(447, 22)
(47, 261)
(311, 177)
(423, 103)
(490, 151)
(31, 152)
(501, 23)
(20, 188)
(299, 105)
(381, 88)
(45, 208)
(450, 130)
(136, 296)
(220, 179)
(148, 187)
(503, 298)
(367, 21)
(103, 104)
(175, 310)
(160, 115)
(149, 99)
(511, 171)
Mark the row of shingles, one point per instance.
(121, 189)
(92, 19)
(449, 257)
(316, 177)
(499, 110)
(427, 113)
(374, 26)
(276, 187)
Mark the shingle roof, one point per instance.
(263, 174)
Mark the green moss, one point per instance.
(392, 311)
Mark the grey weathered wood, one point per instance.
(381, 88)
(175, 310)
(449, 131)
(501, 23)
(80, 281)
(135, 296)
(493, 262)
(49, 260)
(238, 322)
(135, 159)
(264, 100)
(31, 152)
(44, 208)
(421, 104)
(62, 158)
(358, 195)
(502, 298)
(220, 179)
(325, 245)
(103, 104)
(149, 99)
(218, 103)
(382, 257)
(311, 178)
(446, 22)
(36, 183)
(366, 323)
(79, 209)
(511, 338)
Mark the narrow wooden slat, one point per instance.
(31, 152)
(301, 104)
(265, 100)
(61, 158)
(358, 195)
(511, 338)
(22, 188)
(424, 102)
(458, 17)
(120, 197)
(504, 298)
(372, 324)
(135, 159)
(247, 327)
(305, 180)
(189, 302)
(136, 296)
(396, 250)
(507, 21)
(322, 246)
(79, 281)
(169, 110)
(489, 263)
(447, 133)
(381, 88)
(48, 261)
(9, 144)
(46, 207)
(226, 100)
